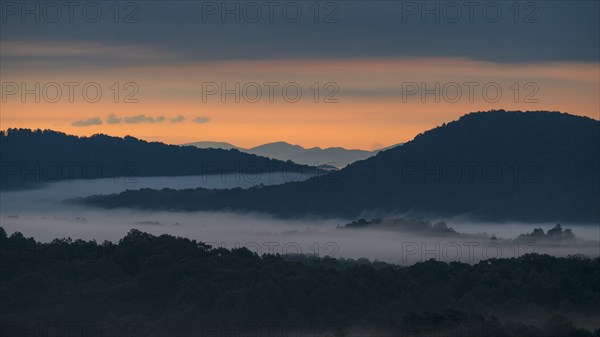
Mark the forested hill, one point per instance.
(495, 165)
(146, 285)
(38, 156)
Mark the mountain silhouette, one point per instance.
(332, 156)
(495, 165)
(214, 145)
(29, 157)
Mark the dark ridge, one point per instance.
(31, 157)
(496, 165)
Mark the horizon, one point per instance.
(372, 149)
(183, 72)
(356, 122)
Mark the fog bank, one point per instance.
(42, 214)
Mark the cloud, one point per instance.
(168, 30)
(201, 120)
(113, 119)
(139, 119)
(88, 122)
(143, 119)
(177, 119)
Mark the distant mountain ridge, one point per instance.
(497, 165)
(333, 156)
(213, 145)
(29, 157)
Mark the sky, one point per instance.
(357, 74)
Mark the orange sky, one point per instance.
(370, 111)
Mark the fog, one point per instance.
(40, 213)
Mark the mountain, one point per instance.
(496, 165)
(333, 156)
(37, 156)
(388, 147)
(214, 145)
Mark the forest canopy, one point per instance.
(165, 285)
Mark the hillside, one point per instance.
(496, 165)
(38, 156)
(147, 285)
